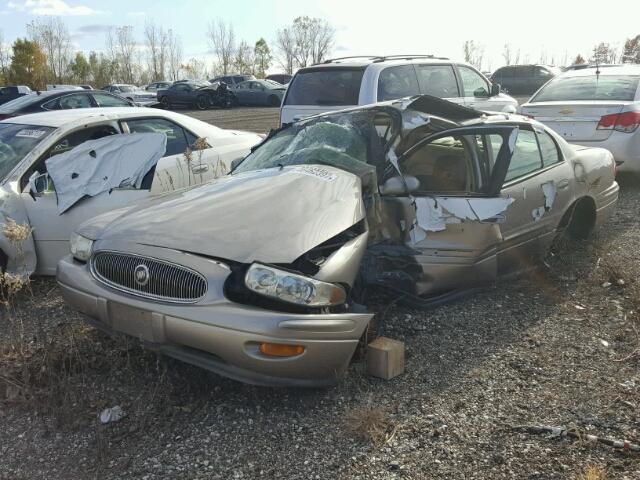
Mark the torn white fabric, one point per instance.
(537, 213)
(100, 165)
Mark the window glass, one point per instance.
(105, 100)
(176, 139)
(589, 87)
(325, 86)
(442, 165)
(541, 72)
(526, 157)
(75, 101)
(397, 82)
(437, 80)
(548, 149)
(473, 84)
(19, 103)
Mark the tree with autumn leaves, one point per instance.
(28, 64)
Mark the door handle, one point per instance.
(200, 168)
(564, 183)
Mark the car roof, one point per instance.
(609, 70)
(58, 118)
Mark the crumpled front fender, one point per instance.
(21, 256)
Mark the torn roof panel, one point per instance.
(443, 108)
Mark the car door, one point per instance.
(180, 94)
(176, 170)
(439, 81)
(51, 231)
(242, 93)
(475, 88)
(450, 219)
(540, 181)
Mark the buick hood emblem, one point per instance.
(141, 275)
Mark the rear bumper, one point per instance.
(221, 336)
(625, 147)
(606, 203)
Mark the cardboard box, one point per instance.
(385, 358)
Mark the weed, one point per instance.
(593, 472)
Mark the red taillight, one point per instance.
(626, 122)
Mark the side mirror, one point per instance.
(400, 186)
(495, 89)
(38, 183)
(235, 163)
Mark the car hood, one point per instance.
(273, 215)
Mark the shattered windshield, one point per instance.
(16, 141)
(352, 141)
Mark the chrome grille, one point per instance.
(148, 277)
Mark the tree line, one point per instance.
(474, 53)
(46, 55)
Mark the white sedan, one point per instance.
(594, 107)
(29, 143)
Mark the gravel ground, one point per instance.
(259, 119)
(552, 348)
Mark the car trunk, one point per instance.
(575, 121)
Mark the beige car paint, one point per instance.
(425, 247)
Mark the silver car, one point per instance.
(595, 107)
(261, 275)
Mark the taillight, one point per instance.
(626, 122)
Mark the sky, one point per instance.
(546, 29)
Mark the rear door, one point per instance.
(452, 218)
(540, 181)
(317, 90)
(397, 82)
(439, 81)
(177, 169)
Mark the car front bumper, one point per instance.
(217, 334)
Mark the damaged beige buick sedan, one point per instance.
(261, 275)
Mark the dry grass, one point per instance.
(593, 472)
(371, 423)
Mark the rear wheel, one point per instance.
(202, 103)
(165, 102)
(273, 101)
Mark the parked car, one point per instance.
(61, 100)
(63, 87)
(28, 143)
(132, 93)
(12, 92)
(524, 79)
(281, 78)
(232, 80)
(200, 95)
(596, 108)
(352, 81)
(260, 275)
(259, 92)
(155, 86)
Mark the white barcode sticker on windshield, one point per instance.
(319, 172)
(30, 133)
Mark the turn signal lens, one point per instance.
(280, 350)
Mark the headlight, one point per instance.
(80, 247)
(293, 288)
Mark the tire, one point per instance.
(273, 101)
(202, 103)
(166, 103)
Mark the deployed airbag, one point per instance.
(100, 165)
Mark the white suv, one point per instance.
(352, 81)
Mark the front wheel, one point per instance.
(165, 102)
